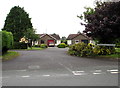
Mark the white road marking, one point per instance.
(46, 75)
(26, 76)
(114, 70)
(79, 73)
(97, 73)
(98, 70)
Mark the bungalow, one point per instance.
(49, 39)
(76, 38)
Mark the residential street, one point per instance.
(54, 67)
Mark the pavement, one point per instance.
(54, 67)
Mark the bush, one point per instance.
(7, 41)
(82, 49)
(103, 50)
(36, 45)
(20, 45)
(62, 45)
(43, 46)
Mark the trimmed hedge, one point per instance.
(20, 45)
(7, 41)
(62, 45)
(43, 46)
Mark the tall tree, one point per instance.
(103, 22)
(17, 22)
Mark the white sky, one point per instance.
(53, 16)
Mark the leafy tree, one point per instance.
(103, 22)
(17, 22)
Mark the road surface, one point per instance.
(54, 67)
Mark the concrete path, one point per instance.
(53, 67)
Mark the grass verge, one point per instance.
(33, 48)
(9, 55)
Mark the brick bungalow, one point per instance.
(49, 39)
(76, 38)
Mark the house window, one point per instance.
(85, 41)
(76, 41)
(42, 41)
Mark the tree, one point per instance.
(103, 22)
(17, 22)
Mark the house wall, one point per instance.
(58, 42)
(45, 39)
(80, 37)
(69, 42)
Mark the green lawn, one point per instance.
(33, 48)
(10, 55)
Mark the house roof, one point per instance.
(72, 36)
(55, 36)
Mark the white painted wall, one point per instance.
(58, 42)
(69, 42)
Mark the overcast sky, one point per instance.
(51, 16)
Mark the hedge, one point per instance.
(7, 41)
(62, 45)
(20, 45)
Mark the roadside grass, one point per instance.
(9, 55)
(33, 48)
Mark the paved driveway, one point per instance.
(53, 67)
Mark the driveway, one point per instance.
(54, 67)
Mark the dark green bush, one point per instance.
(36, 45)
(7, 41)
(43, 46)
(20, 45)
(62, 45)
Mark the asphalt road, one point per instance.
(53, 67)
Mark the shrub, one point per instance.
(103, 50)
(62, 45)
(20, 45)
(82, 49)
(43, 46)
(7, 41)
(36, 45)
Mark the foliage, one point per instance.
(9, 55)
(36, 45)
(103, 50)
(30, 34)
(43, 46)
(82, 49)
(103, 22)
(62, 45)
(17, 22)
(7, 41)
(20, 45)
